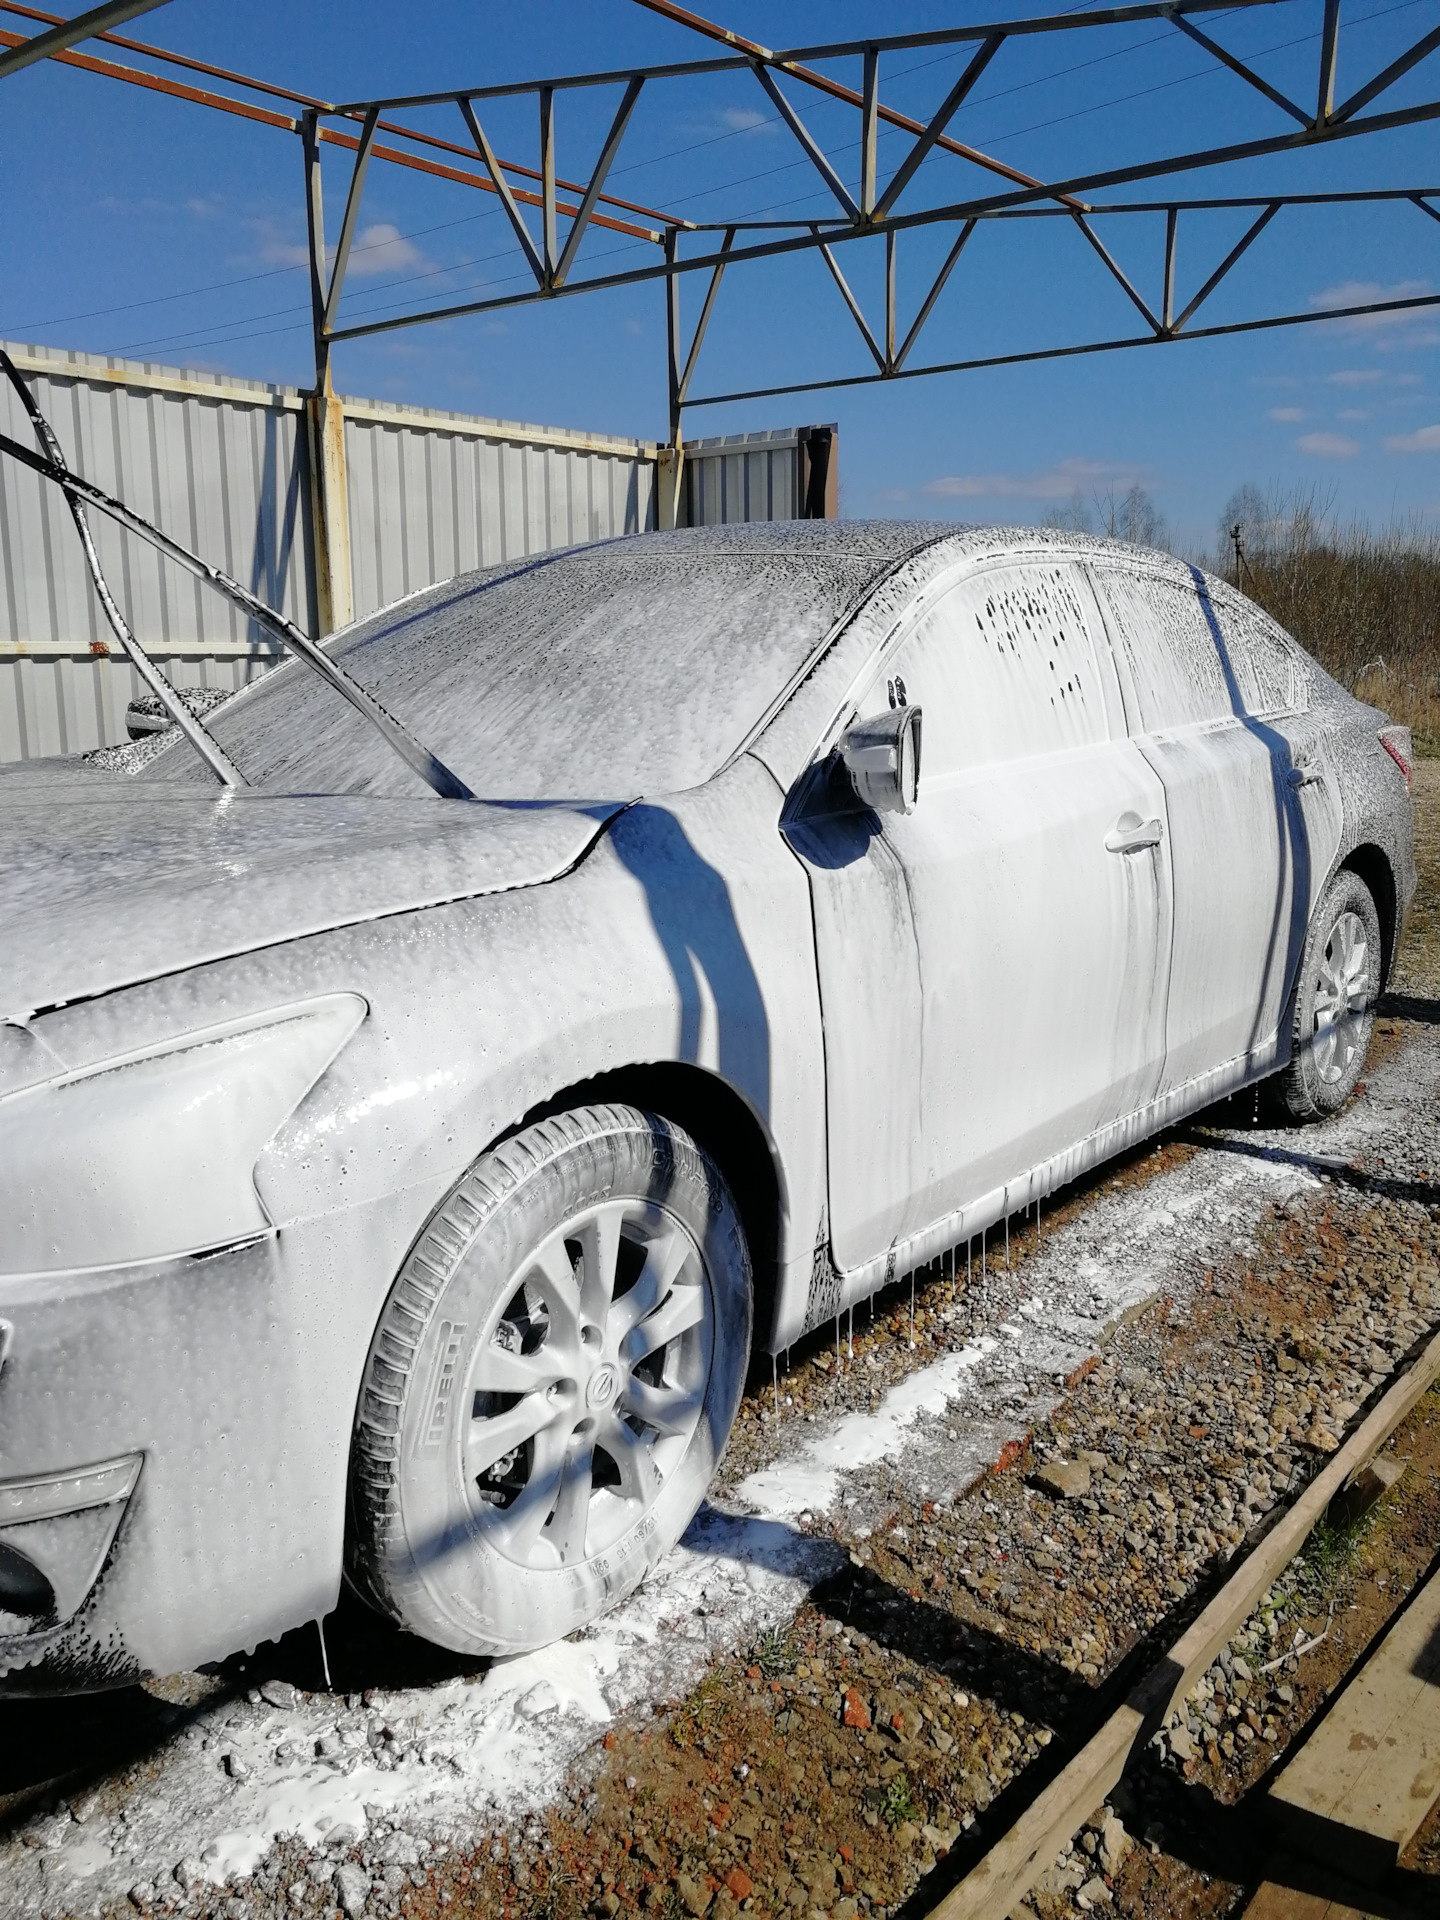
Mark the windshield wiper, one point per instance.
(431, 769)
(208, 748)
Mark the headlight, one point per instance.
(152, 1154)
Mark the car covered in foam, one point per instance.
(395, 1186)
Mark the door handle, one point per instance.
(1131, 834)
(1305, 775)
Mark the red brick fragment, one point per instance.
(1009, 1454)
(740, 1884)
(609, 1741)
(856, 1713)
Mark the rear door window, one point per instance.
(1265, 661)
(1175, 675)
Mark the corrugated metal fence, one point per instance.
(225, 465)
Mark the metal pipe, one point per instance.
(84, 26)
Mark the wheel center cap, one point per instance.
(603, 1387)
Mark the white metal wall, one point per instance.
(742, 476)
(224, 465)
(434, 494)
(220, 463)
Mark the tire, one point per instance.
(1334, 1002)
(551, 1383)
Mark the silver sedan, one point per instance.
(394, 1185)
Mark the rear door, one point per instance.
(993, 965)
(1237, 840)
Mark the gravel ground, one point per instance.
(994, 1502)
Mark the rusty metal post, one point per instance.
(325, 420)
(671, 458)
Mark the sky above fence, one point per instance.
(145, 226)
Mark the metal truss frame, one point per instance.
(876, 212)
(883, 212)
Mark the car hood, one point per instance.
(100, 889)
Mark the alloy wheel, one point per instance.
(585, 1389)
(1342, 998)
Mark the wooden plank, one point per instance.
(1372, 1767)
(1285, 1903)
(1007, 1872)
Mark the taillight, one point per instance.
(1396, 742)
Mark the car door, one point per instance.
(1275, 695)
(992, 965)
(1238, 843)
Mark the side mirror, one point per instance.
(882, 758)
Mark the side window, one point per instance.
(1005, 666)
(1175, 672)
(1269, 674)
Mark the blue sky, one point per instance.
(145, 226)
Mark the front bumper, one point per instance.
(174, 1442)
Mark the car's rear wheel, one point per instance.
(551, 1383)
(1334, 1004)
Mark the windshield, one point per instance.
(633, 667)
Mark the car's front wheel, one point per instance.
(1334, 1004)
(551, 1382)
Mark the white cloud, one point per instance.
(743, 119)
(1053, 483)
(1285, 416)
(1405, 328)
(1331, 445)
(1354, 413)
(382, 248)
(1423, 440)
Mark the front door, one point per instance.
(993, 965)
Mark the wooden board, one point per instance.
(997, 1883)
(1363, 1783)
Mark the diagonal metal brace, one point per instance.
(852, 303)
(1114, 267)
(502, 188)
(807, 141)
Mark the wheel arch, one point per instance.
(724, 1124)
(1371, 864)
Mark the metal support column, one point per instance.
(671, 457)
(325, 419)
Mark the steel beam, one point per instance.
(926, 141)
(1029, 358)
(1329, 47)
(704, 321)
(507, 198)
(1396, 70)
(933, 216)
(1239, 67)
(83, 27)
(1251, 233)
(936, 288)
(597, 180)
(352, 214)
(808, 144)
(548, 248)
(1105, 255)
(854, 305)
(1167, 296)
(869, 126)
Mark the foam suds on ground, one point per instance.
(446, 1761)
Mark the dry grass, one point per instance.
(1366, 604)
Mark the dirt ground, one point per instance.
(859, 1760)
